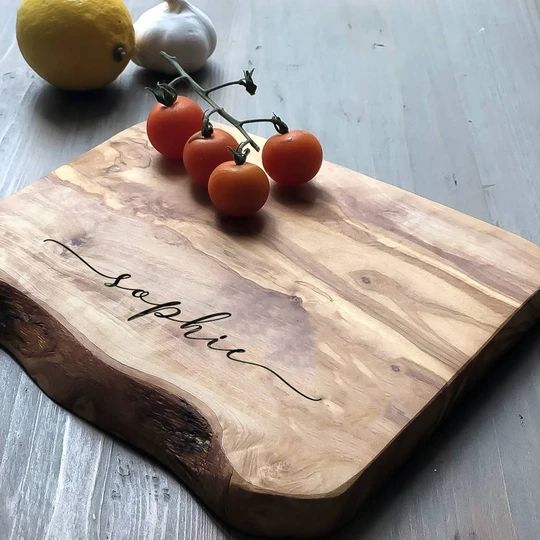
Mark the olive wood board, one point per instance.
(281, 366)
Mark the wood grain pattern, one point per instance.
(447, 108)
(378, 303)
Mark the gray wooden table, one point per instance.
(440, 97)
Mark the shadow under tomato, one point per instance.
(305, 195)
(199, 194)
(246, 226)
(171, 169)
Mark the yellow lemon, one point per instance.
(76, 44)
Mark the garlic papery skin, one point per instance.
(179, 29)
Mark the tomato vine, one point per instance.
(166, 94)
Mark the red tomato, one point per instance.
(238, 190)
(203, 155)
(292, 158)
(169, 128)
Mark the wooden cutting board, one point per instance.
(281, 366)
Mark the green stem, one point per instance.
(224, 85)
(202, 93)
(207, 128)
(177, 80)
(279, 124)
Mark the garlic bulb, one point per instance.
(179, 29)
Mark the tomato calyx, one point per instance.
(164, 93)
(240, 153)
(279, 125)
(207, 128)
(248, 83)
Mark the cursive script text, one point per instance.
(171, 311)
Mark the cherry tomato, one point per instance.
(238, 190)
(203, 155)
(169, 128)
(292, 158)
